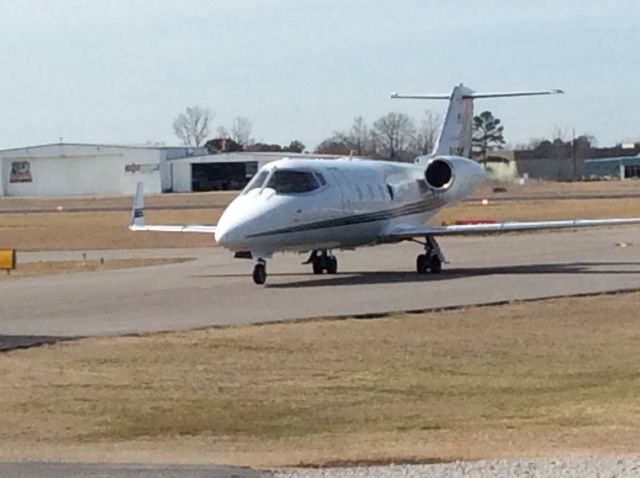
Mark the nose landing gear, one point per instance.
(431, 261)
(323, 260)
(260, 272)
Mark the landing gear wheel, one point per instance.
(321, 261)
(422, 264)
(260, 273)
(331, 265)
(435, 265)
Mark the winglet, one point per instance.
(137, 212)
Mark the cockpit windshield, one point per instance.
(287, 181)
(256, 182)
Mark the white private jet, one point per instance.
(319, 205)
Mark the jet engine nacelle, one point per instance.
(453, 175)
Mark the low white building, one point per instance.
(87, 169)
(67, 169)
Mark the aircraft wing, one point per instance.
(408, 232)
(137, 219)
(203, 228)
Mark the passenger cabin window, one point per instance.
(370, 191)
(390, 189)
(256, 182)
(285, 181)
(321, 179)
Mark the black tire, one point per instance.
(435, 265)
(317, 265)
(332, 265)
(259, 274)
(422, 264)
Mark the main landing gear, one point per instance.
(321, 261)
(431, 261)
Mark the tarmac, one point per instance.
(216, 290)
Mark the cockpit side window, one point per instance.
(256, 182)
(321, 179)
(287, 181)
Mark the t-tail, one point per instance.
(456, 130)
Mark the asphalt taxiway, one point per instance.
(214, 289)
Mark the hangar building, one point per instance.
(67, 169)
(224, 171)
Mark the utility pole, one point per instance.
(573, 153)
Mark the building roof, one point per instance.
(100, 145)
(241, 156)
(616, 159)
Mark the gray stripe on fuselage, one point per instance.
(406, 210)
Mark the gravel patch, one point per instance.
(609, 467)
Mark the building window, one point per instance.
(632, 171)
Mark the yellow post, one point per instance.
(7, 259)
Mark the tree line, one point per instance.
(193, 128)
(394, 136)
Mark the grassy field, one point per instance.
(554, 377)
(219, 199)
(30, 269)
(89, 230)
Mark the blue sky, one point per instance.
(119, 71)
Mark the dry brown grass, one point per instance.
(108, 229)
(533, 189)
(99, 230)
(533, 210)
(45, 268)
(210, 200)
(529, 379)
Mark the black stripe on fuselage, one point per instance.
(406, 210)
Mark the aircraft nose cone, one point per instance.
(229, 234)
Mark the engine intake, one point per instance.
(439, 174)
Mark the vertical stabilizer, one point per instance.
(456, 130)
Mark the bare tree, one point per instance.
(192, 126)
(222, 132)
(358, 138)
(427, 133)
(561, 132)
(333, 145)
(393, 133)
(241, 131)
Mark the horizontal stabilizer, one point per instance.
(512, 94)
(475, 96)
